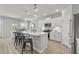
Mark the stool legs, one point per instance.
(23, 47)
(15, 42)
(31, 46)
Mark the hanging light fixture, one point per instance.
(35, 7)
(28, 13)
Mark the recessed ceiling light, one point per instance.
(13, 24)
(36, 9)
(35, 15)
(44, 14)
(25, 19)
(57, 10)
(28, 13)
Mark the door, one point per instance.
(76, 33)
(66, 33)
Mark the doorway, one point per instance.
(76, 33)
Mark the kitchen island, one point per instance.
(40, 40)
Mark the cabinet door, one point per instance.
(36, 42)
(55, 36)
(52, 36)
(78, 48)
(43, 41)
(58, 36)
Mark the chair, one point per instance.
(25, 41)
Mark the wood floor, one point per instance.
(57, 48)
(7, 47)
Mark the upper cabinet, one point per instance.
(55, 22)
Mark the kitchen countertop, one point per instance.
(34, 33)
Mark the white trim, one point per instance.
(40, 51)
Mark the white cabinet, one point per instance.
(40, 42)
(78, 45)
(54, 35)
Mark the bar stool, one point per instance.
(15, 38)
(18, 39)
(25, 41)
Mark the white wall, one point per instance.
(75, 8)
(1, 26)
(67, 16)
(6, 26)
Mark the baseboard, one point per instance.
(40, 51)
(55, 41)
(65, 45)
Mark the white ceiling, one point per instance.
(18, 10)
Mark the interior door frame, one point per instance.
(74, 44)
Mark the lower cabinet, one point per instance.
(40, 42)
(56, 36)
